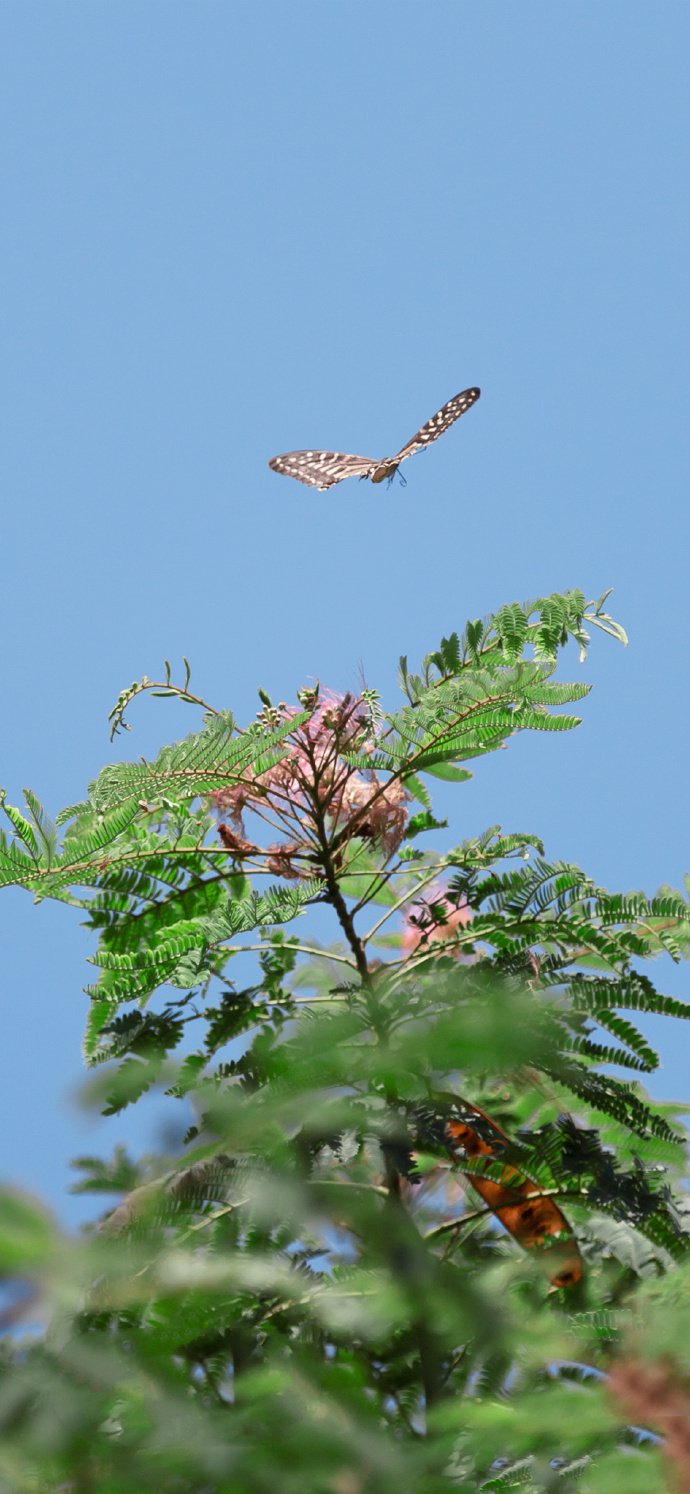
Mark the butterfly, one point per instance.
(529, 1214)
(321, 469)
(527, 1211)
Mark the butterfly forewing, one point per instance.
(439, 423)
(321, 469)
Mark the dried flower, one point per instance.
(279, 863)
(657, 1395)
(235, 843)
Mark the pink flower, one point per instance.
(375, 812)
(434, 919)
(233, 800)
(310, 771)
(312, 784)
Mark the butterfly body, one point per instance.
(385, 472)
(322, 469)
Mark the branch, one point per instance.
(164, 688)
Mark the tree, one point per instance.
(415, 1219)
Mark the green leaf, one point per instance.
(22, 827)
(27, 1238)
(447, 771)
(420, 823)
(45, 829)
(418, 789)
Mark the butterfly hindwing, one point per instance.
(321, 469)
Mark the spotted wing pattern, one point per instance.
(439, 423)
(321, 469)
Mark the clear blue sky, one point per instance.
(232, 229)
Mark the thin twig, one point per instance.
(406, 898)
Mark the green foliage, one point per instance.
(318, 1289)
(544, 625)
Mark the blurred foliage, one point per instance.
(418, 1235)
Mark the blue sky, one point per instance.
(233, 229)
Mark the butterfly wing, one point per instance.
(439, 423)
(321, 469)
(531, 1217)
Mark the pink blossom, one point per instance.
(233, 800)
(310, 770)
(375, 812)
(312, 784)
(434, 919)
